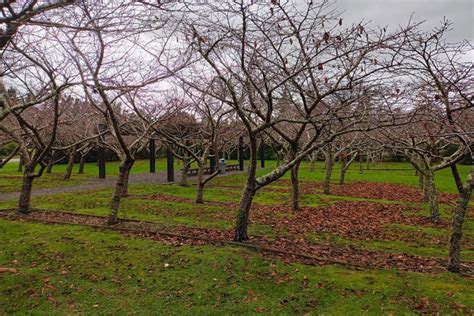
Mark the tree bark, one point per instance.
(20, 164)
(81, 164)
(248, 194)
(25, 194)
(312, 167)
(49, 168)
(432, 197)
(295, 187)
(184, 174)
(342, 175)
(125, 185)
(200, 193)
(70, 164)
(459, 215)
(457, 178)
(243, 211)
(119, 186)
(426, 188)
(421, 180)
(327, 178)
(200, 186)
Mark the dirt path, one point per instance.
(95, 183)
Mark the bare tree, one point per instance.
(285, 58)
(30, 117)
(121, 56)
(202, 133)
(443, 85)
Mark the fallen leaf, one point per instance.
(260, 309)
(9, 270)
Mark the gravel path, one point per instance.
(95, 183)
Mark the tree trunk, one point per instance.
(20, 164)
(426, 188)
(81, 164)
(125, 184)
(200, 194)
(25, 194)
(312, 167)
(432, 197)
(361, 169)
(421, 180)
(243, 211)
(241, 226)
(49, 168)
(184, 174)
(70, 164)
(119, 186)
(342, 175)
(295, 187)
(459, 214)
(200, 185)
(329, 165)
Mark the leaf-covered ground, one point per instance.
(367, 248)
(76, 270)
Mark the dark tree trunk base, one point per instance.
(295, 188)
(243, 215)
(120, 189)
(25, 195)
(81, 165)
(459, 215)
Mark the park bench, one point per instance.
(232, 168)
(207, 170)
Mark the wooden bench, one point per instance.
(207, 170)
(232, 167)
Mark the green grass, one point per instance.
(107, 273)
(172, 213)
(10, 178)
(378, 173)
(75, 270)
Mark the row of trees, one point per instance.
(198, 77)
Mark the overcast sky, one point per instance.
(396, 12)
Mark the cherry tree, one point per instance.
(440, 77)
(270, 58)
(122, 57)
(201, 133)
(30, 116)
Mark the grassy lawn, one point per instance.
(76, 270)
(11, 179)
(72, 270)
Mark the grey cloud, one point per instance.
(392, 13)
